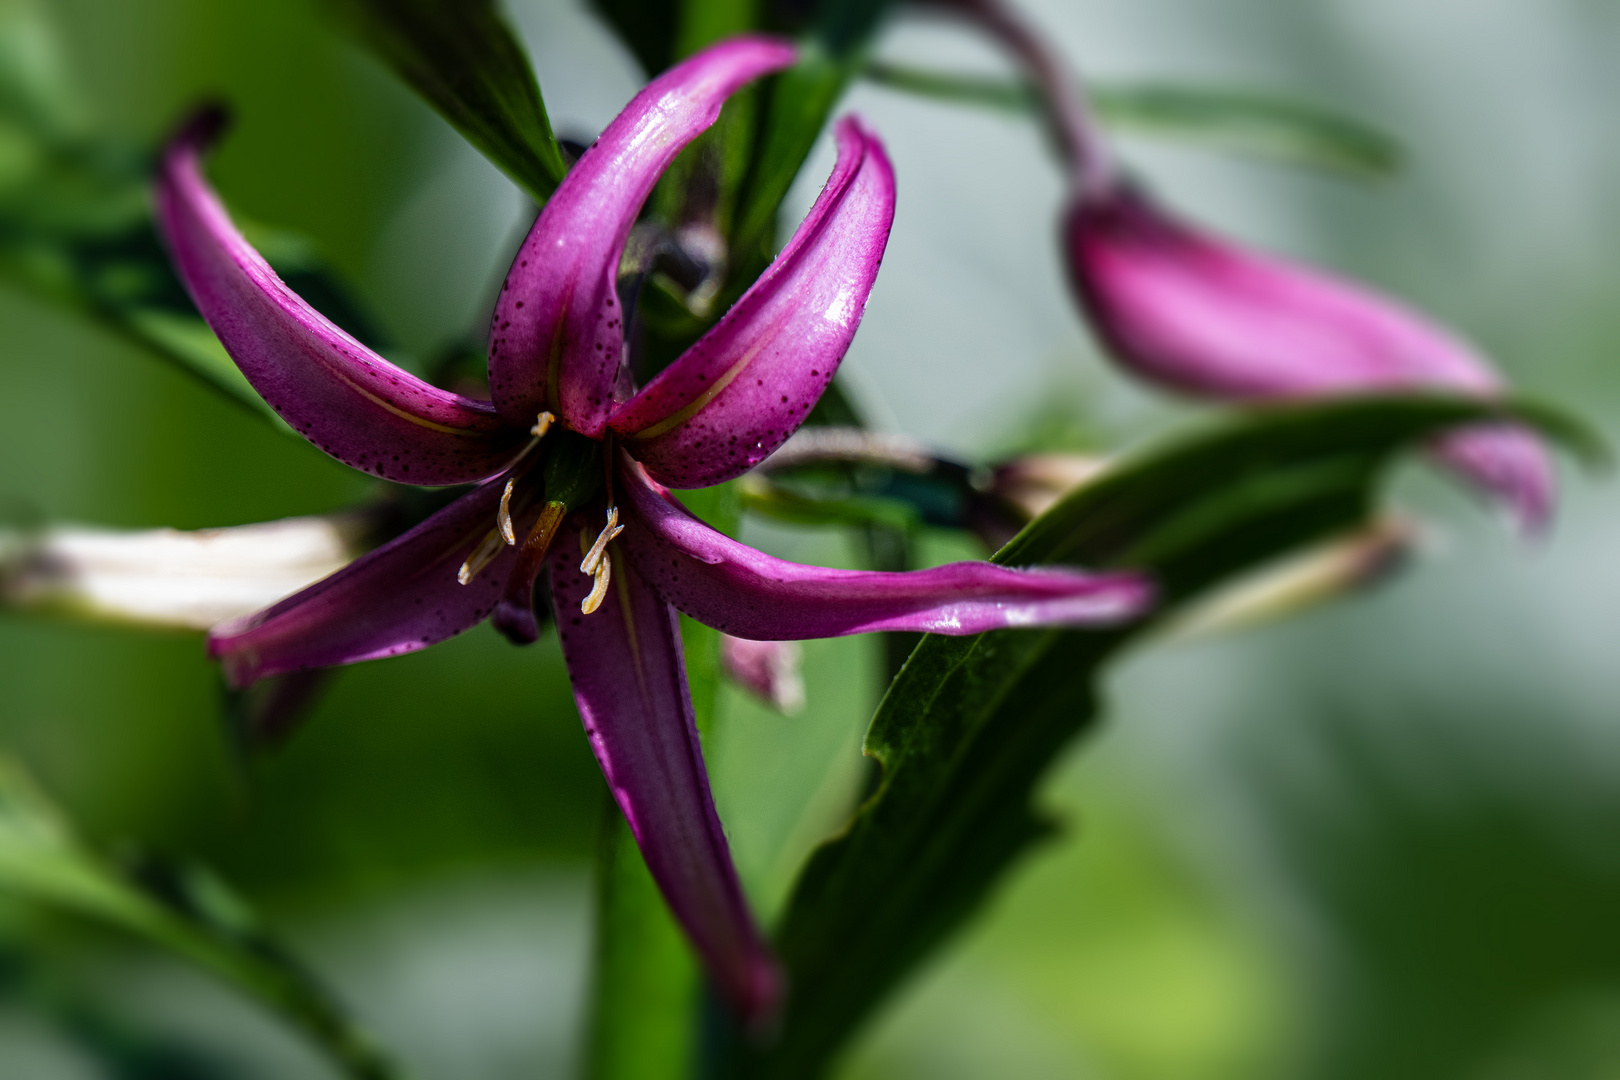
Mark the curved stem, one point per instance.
(1086, 151)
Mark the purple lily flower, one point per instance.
(1211, 319)
(568, 456)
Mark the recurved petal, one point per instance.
(338, 394)
(746, 593)
(630, 684)
(739, 392)
(557, 337)
(1209, 318)
(399, 598)
(1507, 464)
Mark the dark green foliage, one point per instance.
(179, 907)
(971, 724)
(463, 58)
(647, 27)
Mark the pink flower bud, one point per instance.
(767, 669)
(1211, 319)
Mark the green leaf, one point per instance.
(971, 724)
(180, 908)
(647, 27)
(799, 103)
(463, 58)
(1264, 125)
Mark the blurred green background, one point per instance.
(1379, 840)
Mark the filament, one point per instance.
(481, 557)
(503, 519)
(598, 550)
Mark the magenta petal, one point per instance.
(557, 337)
(749, 594)
(399, 598)
(1209, 318)
(630, 685)
(738, 393)
(338, 394)
(1509, 465)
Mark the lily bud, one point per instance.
(1211, 319)
(168, 578)
(767, 669)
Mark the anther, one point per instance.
(598, 550)
(599, 588)
(481, 557)
(542, 424)
(504, 518)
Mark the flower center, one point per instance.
(567, 474)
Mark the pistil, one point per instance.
(514, 615)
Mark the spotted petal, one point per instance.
(338, 394)
(630, 684)
(399, 598)
(737, 394)
(746, 593)
(557, 338)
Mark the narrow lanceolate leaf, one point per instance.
(1265, 125)
(971, 723)
(648, 28)
(465, 60)
(799, 103)
(182, 909)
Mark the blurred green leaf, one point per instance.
(1252, 123)
(76, 224)
(647, 27)
(971, 724)
(464, 59)
(33, 79)
(181, 908)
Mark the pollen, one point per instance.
(599, 588)
(481, 557)
(542, 424)
(598, 551)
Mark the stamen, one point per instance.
(542, 424)
(481, 557)
(599, 549)
(504, 518)
(604, 574)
